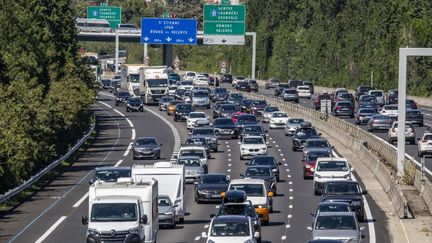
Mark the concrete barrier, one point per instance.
(424, 186)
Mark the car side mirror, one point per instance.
(212, 215)
(365, 192)
(309, 228)
(195, 183)
(175, 156)
(256, 235)
(204, 235)
(84, 220)
(362, 228)
(176, 205)
(352, 169)
(242, 175)
(143, 219)
(91, 182)
(319, 134)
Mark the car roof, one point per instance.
(342, 182)
(336, 214)
(189, 157)
(247, 181)
(112, 168)
(230, 217)
(146, 138)
(214, 174)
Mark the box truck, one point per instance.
(123, 211)
(154, 83)
(130, 78)
(171, 181)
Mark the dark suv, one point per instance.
(226, 78)
(303, 133)
(253, 85)
(182, 111)
(392, 96)
(362, 90)
(345, 191)
(280, 88)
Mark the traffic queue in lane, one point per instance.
(336, 217)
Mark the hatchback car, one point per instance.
(231, 228)
(164, 102)
(262, 172)
(279, 89)
(343, 108)
(290, 95)
(341, 226)
(258, 107)
(121, 98)
(134, 104)
(271, 83)
(193, 167)
(253, 84)
(146, 147)
(304, 91)
(209, 187)
(379, 122)
(166, 211)
(110, 173)
(268, 161)
(292, 125)
(267, 113)
(182, 111)
(224, 110)
(310, 158)
(415, 117)
(243, 86)
(253, 130)
(410, 135)
(424, 145)
(245, 105)
(219, 94)
(390, 110)
(363, 115)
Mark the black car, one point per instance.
(266, 160)
(243, 86)
(235, 98)
(105, 83)
(110, 173)
(201, 141)
(345, 191)
(224, 110)
(253, 130)
(253, 85)
(343, 108)
(414, 116)
(244, 120)
(245, 105)
(225, 127)
(280, 88)
(114, 86)
(262, 172)
(209, 187)
(362, 90)
(182, 111)
(121, 98)
(134, 104)
(226, 78)
(146, 147)
(392, 97)
(219, 94)
(300, 136)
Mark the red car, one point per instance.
(310, 159)
(236, 114)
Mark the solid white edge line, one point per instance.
(118, 163)
(133, 134)
(105, 104)
(118, 112)
(78, 203)
(50, 230)
(130, 122)
(128, 150)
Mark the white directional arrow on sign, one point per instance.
(168, 39)
(190, 39)
(146, 38)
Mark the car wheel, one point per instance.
(294, 148)
(361, 218)
(241, 157)
(216, 149)
(420, 154)
(181, 220)
(265, 223)
(297, 101)
(175, 119)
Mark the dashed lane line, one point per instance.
(105, 104)
(118, 163)
(51, 229)
(133, 134)
(78, 203)
(118, 112)
(127, 150)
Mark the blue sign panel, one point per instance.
(168, 31)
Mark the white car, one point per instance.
(424, 145)
(201, 81)
(267, 113)
(390, 110)
(238, 79)
(278, 119)
(231, 228)
(304, 91)
(189, 76)
(187, 85)
(379, 95)
(330, 169)
(196, 117)
(292, 125)
(251, 146)
(194, 150)
(172, 89)
(410, 135)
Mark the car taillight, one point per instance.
(424, 141)
(338, 107)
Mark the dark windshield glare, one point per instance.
(336, 223)
(214, 179)
(342, 188)
(146, 141)
(108, 212)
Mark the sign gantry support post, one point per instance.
(116, 66)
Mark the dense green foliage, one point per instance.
(45, 88)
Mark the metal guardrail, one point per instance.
(360, 142)
(53, 164)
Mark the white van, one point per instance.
(171, 180)
(379, 95)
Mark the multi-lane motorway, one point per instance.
(54, 214)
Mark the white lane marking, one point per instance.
(226, 142)
(288, 226)
(289, 176)
(229, 155)
(271, 138)
(290, 190)
(197, 238)
(283, 159)
(274, 141)
(370, 222)
(229, 150)
(427, 114)
(118, 163)
(206, 226)
(229, 164)
(291, 197)
(229, 159)
(130, 122)
(118, 112)
(277, 146)
(286, 164)
(229, 170)
(227, 146)
(78, 203)
(283, 237)
(105, 104)
(290, 182)
(289, 216)
(133, 134)
(290, 206)
(288, 170)
(128, 150)
(280, 150)
(51, 229)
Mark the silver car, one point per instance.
(166, 209)
(341, 226)
(146, 147)
(267, 113)
(193, 168)
(292, 125)
(164, 102)
(200, 98)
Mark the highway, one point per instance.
(54, 214)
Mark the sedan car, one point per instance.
(258, 107)
(251, 146)
(363, 115)
(182, 111)
(146, 147)
(390, 110)
(209, 134)
(200, 141)
(166, 211)
(244, 120)
(379, 122)
(267, 113)
(271, 83)
(171, 107)
(194, 117)
(219, 94)
(224, 111)
(243, 86)
(235, 98)
(290, 95)
(304, 91)
(268, 161)
(262, 172)
(134, 104)
(292, 125)
(226, 78)
(209, 187)
(164, 102)
(343, 108)
(424, 145)
(411, 104)
(341, 226)
(245, 105)
(301, 135)
(225, 128)
(278, 119)
(194, 169)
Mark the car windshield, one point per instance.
(295, 121)
(188, 83)
(166, 99)
(335, 222)
(263, 161)
(190, 74)
(345, 95)
(236, 95)
(367, 111)
(192, 152)
(223, 122)
(173, 88)
(146, 141)
(184, 108)
(315, 155)
(230, 228)
(427, 137)
(198, 141)
(123, 95)
(290, 91)
(317, 144)
(214, 179)
(324, 97)
(332, 166)
(134, 101)
(283, 86)
(164, 201)
(253, 190)
(200, 94)
(376, 93)
(259, 102)
(279, 114)
(271, 109)
(407, 125)
(247, 118)
(255, 171)
(189, 162)
(157, 82)
(111, 175)
(206, 131)
(197, 115)
(253, 141)
(336, 207)
(109, 212)
(368, 98)
(342, 188)
(229, 108)
(303, 88)
(220, 90)
(306, 132)
(364, 88)
(246, 102)
(253, 129)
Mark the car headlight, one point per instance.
(213, 139)
(155, 149)
(274, 170)
(202, 192)
(168, 213)
(134, 231)
(93, 232)
(243, 149)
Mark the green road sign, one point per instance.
(110, 13)
(224, 13)
(224, 28)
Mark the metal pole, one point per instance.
(253, 54)
(145, 58)
(116, 51)
(401, 111)
(372, 79)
